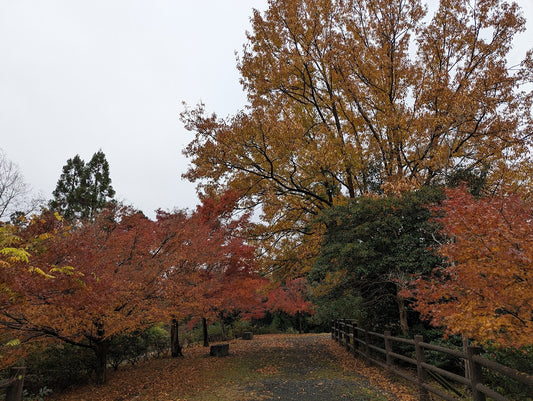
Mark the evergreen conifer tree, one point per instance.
(83, 188)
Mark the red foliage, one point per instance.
(210, 268)
(486, 291)
(291, 298)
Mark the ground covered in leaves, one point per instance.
(270, 367)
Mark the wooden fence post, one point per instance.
(420, 358)
(474, 373)
(333, 329)
(355, 337)
(14, 391)
(347, 336)
(342, 330)
(367, 342)
(388, 349)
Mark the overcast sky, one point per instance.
(79, 76)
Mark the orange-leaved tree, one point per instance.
(291, 298)
(348, 97)
(211, 269)
(486, 290)
(13, 250)
(87, 283)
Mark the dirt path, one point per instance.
(271, 367)
(303, 369)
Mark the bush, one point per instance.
(520, 359)
(158, 340)
(129, 347)
(135, 346)
(242, 326)
(58, 366)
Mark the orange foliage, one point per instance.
(211, 269)
(486, 291)
(290, 298)
(86, 283)
(351, 97)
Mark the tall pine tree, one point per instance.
(83, 188)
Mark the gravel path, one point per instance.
(303, 369)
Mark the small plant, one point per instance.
(41, 394)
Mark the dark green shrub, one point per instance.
(242, 326)
(58, 366)
(138, 345)
(520, 359)
(129, 347)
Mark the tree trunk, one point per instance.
(100, 350)
(175, 347)
(404, 326)
(204, 325)
(222, 330)
(299, 315)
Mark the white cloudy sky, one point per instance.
(78, 76)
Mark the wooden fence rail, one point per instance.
(14, 384)
(362, 343)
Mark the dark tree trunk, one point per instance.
(222, 330)
(175, 347)
(299, 314)
(204, 325)
(100, 350)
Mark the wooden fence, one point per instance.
(14, 384)
(363, 343)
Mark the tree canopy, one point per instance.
(88, 283)
(83, 189)
(371, 248)
(485, 291)
(358, 96)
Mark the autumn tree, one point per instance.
(83, 189)
(87, 283)
(351, 97)
(211, 269)
(291, 298)
(485, 291)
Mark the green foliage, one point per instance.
(348, 306)
(475, 179)
(128, 347)
(135, 346)
(518, 358)
(158, 339)
(242, 326)
(58, 366)
(372, 246)
(281, 323)
(83, 188)
(39, 396)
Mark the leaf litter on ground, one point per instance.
(270, 367)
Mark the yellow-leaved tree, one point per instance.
(348, 97)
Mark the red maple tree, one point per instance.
(291, 298)
(486, 290)
(87, 283)
(211, 269)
